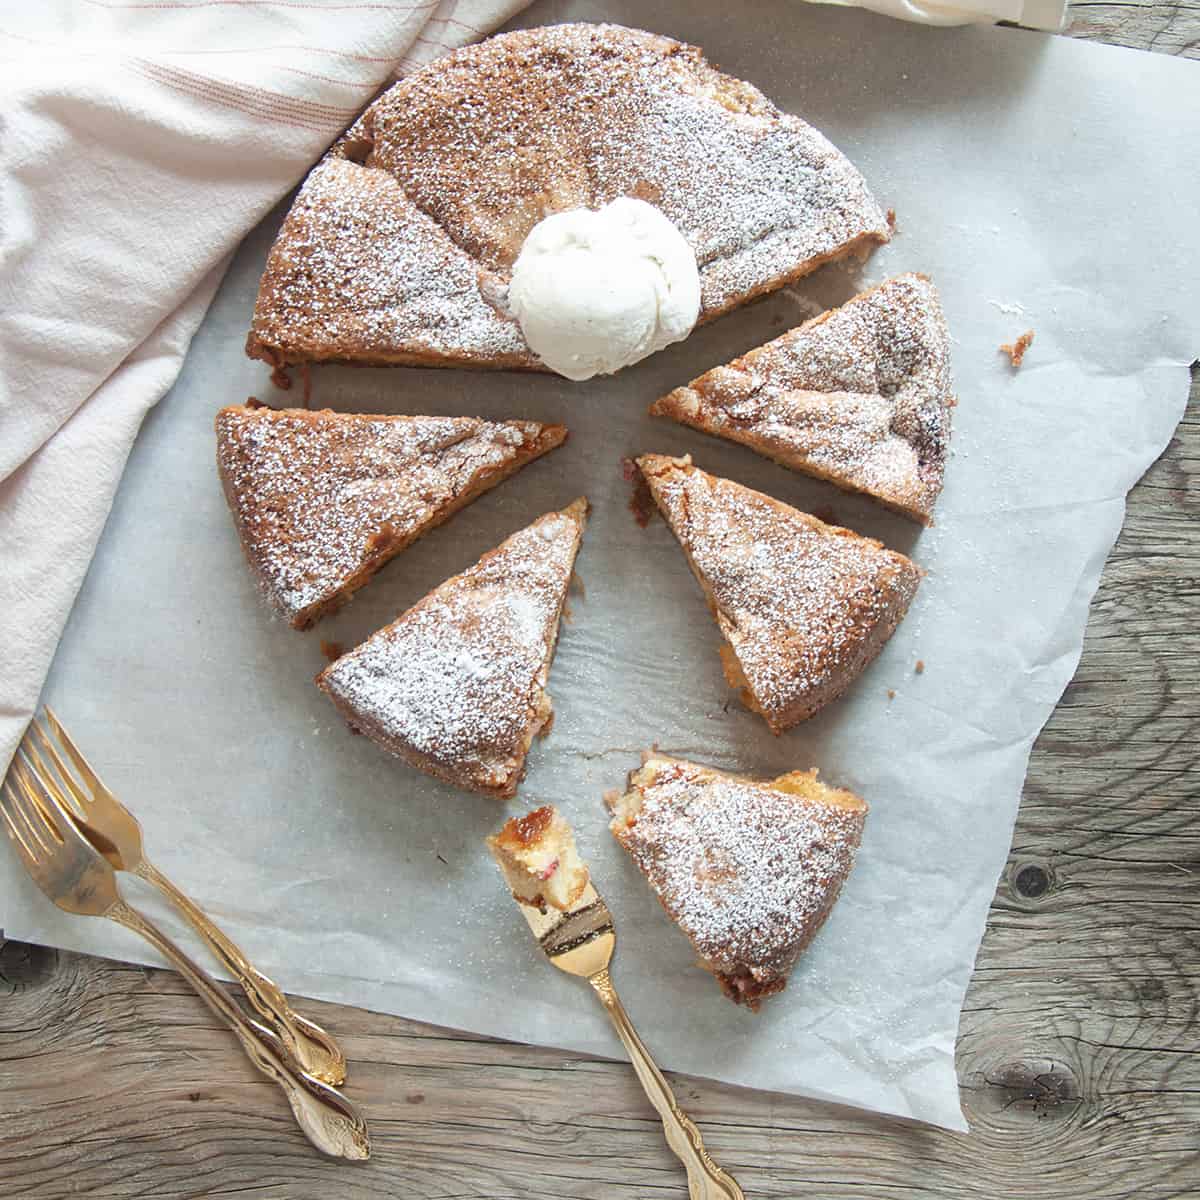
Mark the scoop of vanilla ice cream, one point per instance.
(597, 289)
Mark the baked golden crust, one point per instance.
(749, 870)
(322, 500)
(399, 247)
(860, 396)
(804, 606)
(456, 686)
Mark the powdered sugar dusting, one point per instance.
(319, 496)
(804, 606)
(403, 239)
(456, 684)
(359, 272)
(748, 873)
(860, 396)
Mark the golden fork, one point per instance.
(581, 942)
(120, 841)
(79, 879)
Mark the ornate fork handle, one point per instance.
(706, 1181)
(313, 1048)
(328, 1119)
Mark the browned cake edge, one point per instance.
(743, 987)
(279, 357)
(673, 406)
(548, 438)
(778, 721)
(577, 510)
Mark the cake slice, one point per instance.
(322, 499)
(456, 686)
(804, 606)
(860, 396)
(748, 870)
(536, 855)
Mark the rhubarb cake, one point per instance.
(748, 870)
(860, 396)
(322, 500)
(456, 686)
(400, 245)
(537, 856)
(803, 606)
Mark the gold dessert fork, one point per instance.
(121, 843)
(77, 878)
(581, 942)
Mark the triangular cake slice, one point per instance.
(456, 686)
(322, 499)
(860, 396)
(804, 606)
(400, 245)
(748, 870)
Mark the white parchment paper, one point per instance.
(1042, 183)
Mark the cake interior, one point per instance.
(537, 855)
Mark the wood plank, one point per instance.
(1171, 27)
(1077, 1055)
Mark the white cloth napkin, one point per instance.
(138, 144)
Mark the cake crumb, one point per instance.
(891, 693)
(1016, 350)
(891, 219)
(920, 667)
(641, 503)
(332, 650)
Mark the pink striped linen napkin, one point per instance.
(140, 142)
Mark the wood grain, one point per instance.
(1170, 27)
(1078, 1054)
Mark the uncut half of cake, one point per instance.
(749, 870)
(400, 247)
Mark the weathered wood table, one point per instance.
(1079, 1054)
